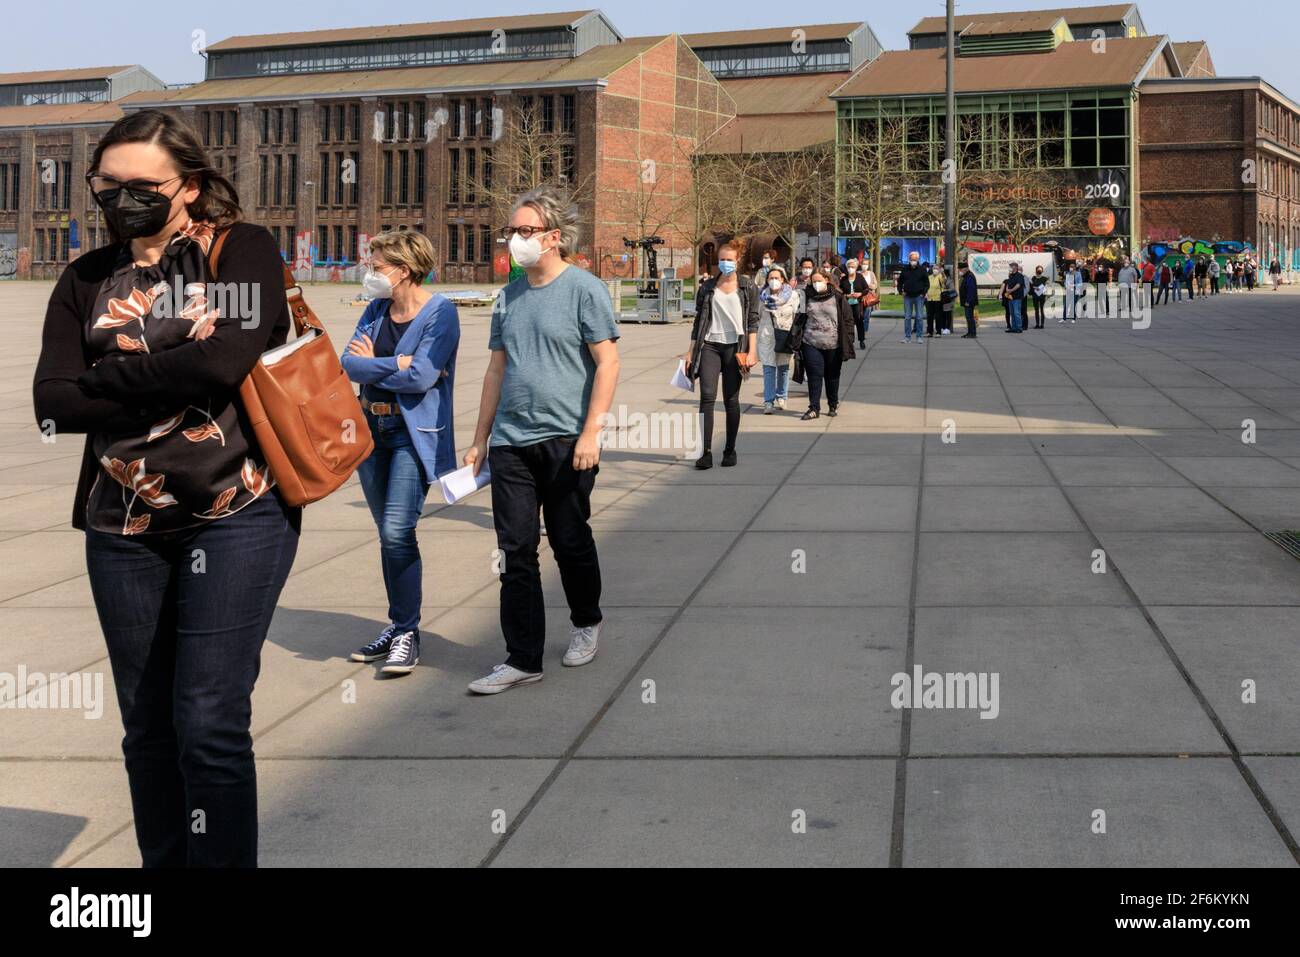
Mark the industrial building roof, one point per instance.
(590, 67)
(397, 31)
(736, 38)
(63, 76)
(1123, 63)
(1108, 13)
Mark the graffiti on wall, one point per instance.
(1196, 247)
(8, 255)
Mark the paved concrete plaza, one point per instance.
(1120, 692)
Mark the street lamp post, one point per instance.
(950, 148)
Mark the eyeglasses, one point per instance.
(107, 188)
(525, 231)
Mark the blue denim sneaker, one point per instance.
(403, 654)
(376, 649)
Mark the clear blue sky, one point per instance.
(1246, 39)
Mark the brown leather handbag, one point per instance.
(300, 403)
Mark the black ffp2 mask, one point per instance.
(130, 217)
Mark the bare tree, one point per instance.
(524, 155)
(796, 190)
(876, 197)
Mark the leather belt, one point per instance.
(381, 408)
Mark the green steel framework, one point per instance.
(1001, 116)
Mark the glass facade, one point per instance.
(820, 56)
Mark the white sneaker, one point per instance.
(780, 403)
(582, 645)
(767, 408)
(503, 678)
(943, 332)
(1061, 321)
(1071, 322)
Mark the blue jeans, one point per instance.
(393, 482)
(913, 315)
(184, 616)
(866, 319)
(1017, 314)
(776, 379)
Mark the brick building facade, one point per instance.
(1220, 159)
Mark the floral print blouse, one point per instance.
(195, 465)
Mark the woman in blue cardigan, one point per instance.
(403, 354)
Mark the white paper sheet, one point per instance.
(462, 482)
(681, 379)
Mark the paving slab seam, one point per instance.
(519, 819)
(1256, 789)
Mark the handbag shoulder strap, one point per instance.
(303, 316)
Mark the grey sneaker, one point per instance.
(503, 678)
(582, 645)
(403, 654)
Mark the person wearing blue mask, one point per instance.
(724, 344)
(403, 354)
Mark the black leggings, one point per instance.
(1038, 311)
(933, 317)
(719, 359)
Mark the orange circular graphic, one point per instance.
(1101, 221)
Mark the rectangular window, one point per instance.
(485, 244)
(340, 253)
(388, 177)
(264, 134)
(471, 118)
(65, 237)
(453, 243)
(324, 124)
(292, 198)
(293, 125)
(548, 114)
(40, 245)
(354, 188)
(354, 113)
(279, 179)
(419, 177)
(279, 125)
(352, 252)
(453, 176)
(221, 128)
(403, 182)
(487, 171)
(323, 191)
(67, 184)
(262, 162)
(420, 106)
(454, 112)
(322, 243)
(338, 122)
(568, 164)
(568, 113)
(471, 173)
(207, 128)
(234, 127)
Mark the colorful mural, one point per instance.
(1182, 248)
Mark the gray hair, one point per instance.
(557, 211)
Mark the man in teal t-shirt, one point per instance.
(549, 384)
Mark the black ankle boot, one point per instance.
(705, 461)
(728, 458)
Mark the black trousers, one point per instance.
(718, 360)
(822, 365)
(972, 325)
(1038, 310)
(525, 479)
(185, 644)
(933, 317)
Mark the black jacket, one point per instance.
(914, 280)
(749, 302)
(1016, 285)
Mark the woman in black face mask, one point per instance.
(188, 542)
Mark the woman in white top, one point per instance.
(781, 303)
(723, 345)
